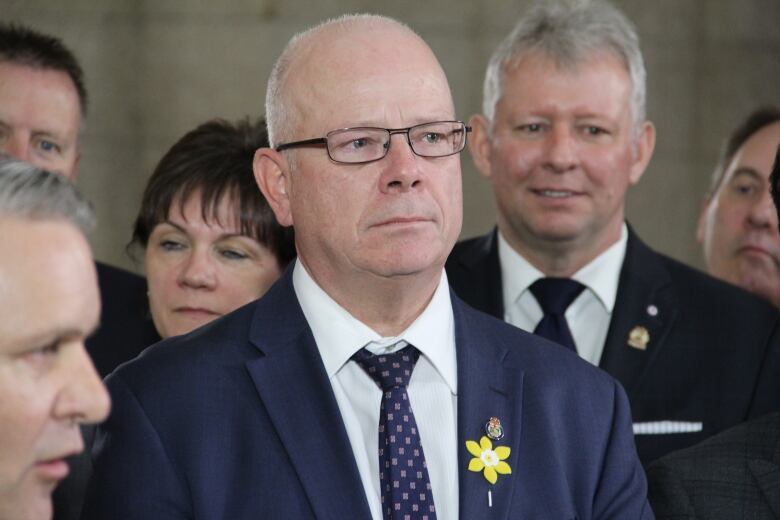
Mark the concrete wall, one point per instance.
(157, 68)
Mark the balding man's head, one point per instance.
(335, 51)
(367, 203)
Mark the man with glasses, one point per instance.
(358, 387)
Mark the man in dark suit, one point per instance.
(562, 138)
(733, 475)
(358, 387)
(42, 102)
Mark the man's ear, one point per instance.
(645, 144)
(272, 173)
(479, 144)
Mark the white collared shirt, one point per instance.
(432, 389)
(588, 316)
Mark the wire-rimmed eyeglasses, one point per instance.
(367, 144)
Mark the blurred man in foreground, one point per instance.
(49, 304)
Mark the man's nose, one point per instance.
(84, 398)
(561, 149)
(763, 213)
(401, 169)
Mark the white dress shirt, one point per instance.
(432, 389)
(588, 315)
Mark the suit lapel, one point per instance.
(767, 475)
(482, 284)
(645, 308)
(292, 383)
(485, 389)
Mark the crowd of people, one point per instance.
(309, 340)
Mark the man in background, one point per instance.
(48, 305)
(738, 223)
(562, 137)
(43, 101)
(731, 475)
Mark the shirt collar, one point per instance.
(339, 335)
(601, 275)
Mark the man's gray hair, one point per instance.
(280, 115)
(28, 192)
(569, 31)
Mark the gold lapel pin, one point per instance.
(494, 429)
(638, 338)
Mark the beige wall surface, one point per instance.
(157, 68)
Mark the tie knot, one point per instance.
(556, 294)
(389, 370)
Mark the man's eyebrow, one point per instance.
(747, 171)
(47, 337)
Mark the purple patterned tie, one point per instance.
(403, 473)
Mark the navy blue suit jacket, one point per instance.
(238, 420)
(125, 325)
(713, 350)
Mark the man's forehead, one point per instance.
(52, 83)
(351, 83)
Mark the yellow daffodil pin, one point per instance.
(488, 460)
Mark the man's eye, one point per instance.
(43, 354)
(531, 128)
(48, 146)
(744, 189)
(595, 130)
(359, 143)
(432, 137)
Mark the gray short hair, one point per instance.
(28, 192)
(567, 31)
(281, 118)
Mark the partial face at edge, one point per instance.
(40, 117)
(738, 227)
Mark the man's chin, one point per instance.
(31, 504)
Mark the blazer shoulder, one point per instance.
(471, 250)
(693, 284)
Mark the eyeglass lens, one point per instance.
(355, 145)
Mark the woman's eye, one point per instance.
(171, 245)
(232, 254)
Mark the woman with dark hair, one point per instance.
(211, 243)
